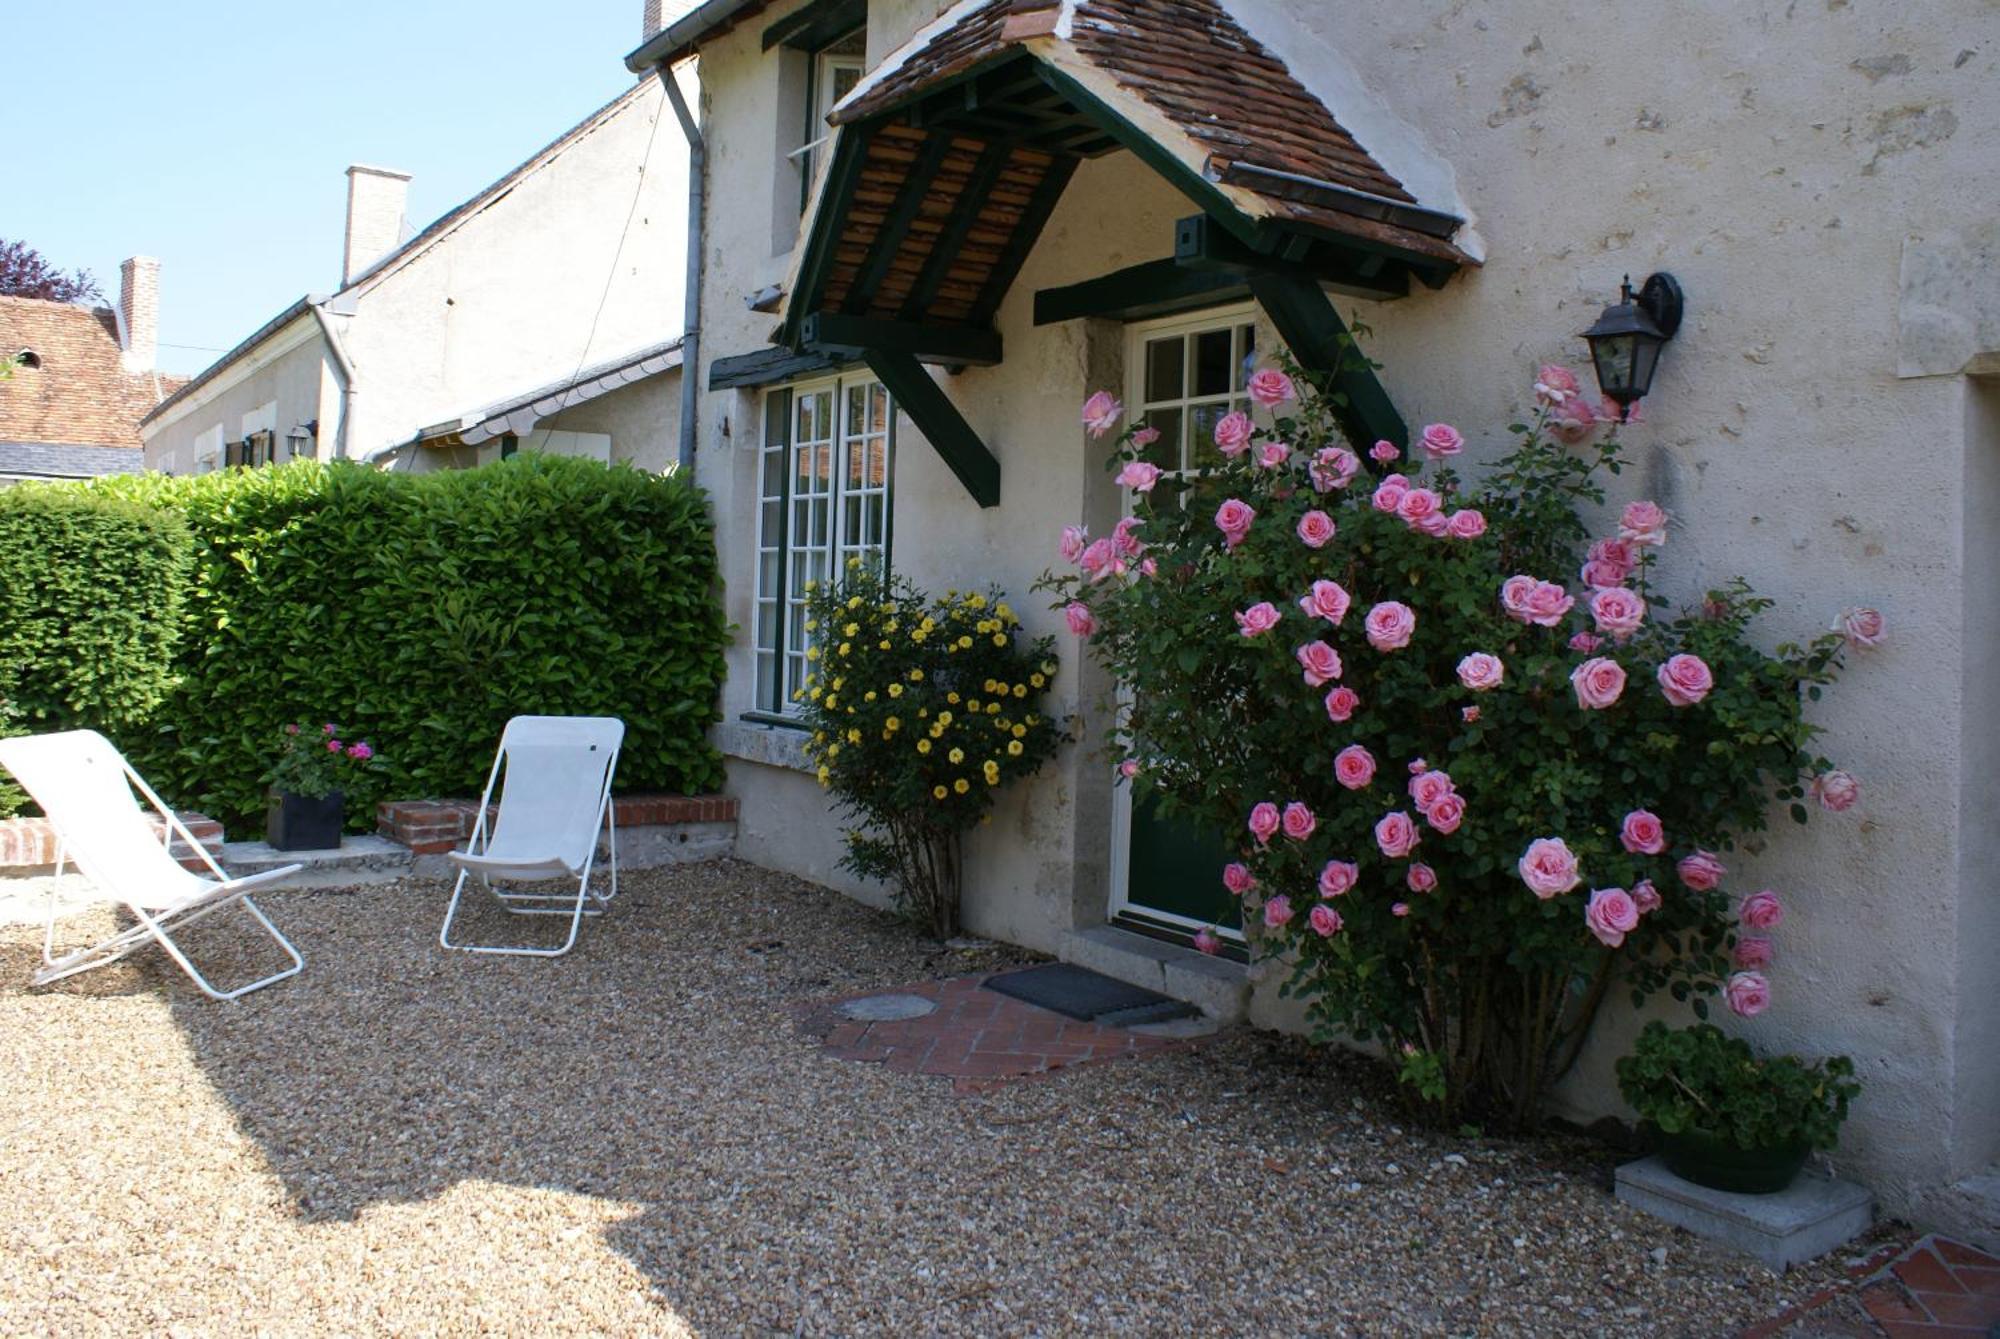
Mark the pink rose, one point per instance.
(292, 729)
(1548, 603)
(1440, 440)
(1341, 703)
(1258, 619)
(1273, 455)
(1315, 529)
(1549, 867)
(1515, 592)
(1326, 600)
(1585, 642)
(1325, 921)
(1863, 628)
(1145, 437)
(1609, 410)
(1383, 453)
(1232, 433)
(1481, 672)
(1598, 682)
(1467, 524)
(1446, 813)
(1233, 519)
(1332, 467)
(1396, 834)
(1388, 497)
(1420, 877)
(1643, 523)
(1129, 768)
(1417, 505)
(1098, 559)
(1618, 612)
(1337, 877)
(1418, 766)
(1611, 914)
(1598, 575)
(1299, 821)
(1101, 413)
(1139, 476)
(1753, 952)
(1469, 715)
(1207, 941)
(1646, 897)
(1399, 908)
(1081, 621)
(1748, 993)
(1555, 384)
(1437, 525)
(1074, 540)
(1389, 625)
(1354, 767)
(1685, 680)
(333, 746)
(1148, 568)
(1836, 791)
(1277, 911)
(1642, 833)
(1573, 420)
(1761, 911)
(1264, 821)
(1236, 877)
(1125, 537)
(1320, 662)
(1428, 787)
(1701, 870)
(1269, 387)
(361, 752)
(1610, 562)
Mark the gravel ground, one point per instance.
(635, 1139)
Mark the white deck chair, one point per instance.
(554, 801)
(85, 788)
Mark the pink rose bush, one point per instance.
(1583, 724)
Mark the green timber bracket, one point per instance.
(1306, 320)
(937, 418)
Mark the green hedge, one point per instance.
(420, 612)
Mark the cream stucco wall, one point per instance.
(1775, 157)
(643, 421)
(293, 371)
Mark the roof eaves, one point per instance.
(678, 40)
(518, 413)
(248, 346)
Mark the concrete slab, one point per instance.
(1220, 987)
(1798, 1224)
(358, 860)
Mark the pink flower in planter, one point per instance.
(1467, 524)
(1642, 833)
(1232, 433)
(1549, 867)
(291, 729)
(1481, 672)
(1384, 453)
(1233, 519)
(1643, 523)
(1446, 814)
(1611, 914)
(1390, 625)
(1585, 642)
(1701, 870)
(333, 746)
(1555, 384)
(1273, 455)
(360, 752)
(1354, 767)
(1081, 621)
(1236, 877)
(1338, 877)
(1101, 413)
(1440, 440)
(1397, 835)
(1325, 921)
(1341, 704)
(1428, 787)
(1388, 496)
(1139, 476)
(1207, 941)
(1270, 388)
(1315, 529)
(1863, 628)
(1334, 467)
(1258, 619)
(1748, 993)
(1326, 600)
(1145, 437)
(1598, 682)
(1264, 821)
(1418, 505)
(1618, 612)
(1298, 821)
(1646, 897)
(1762, 911)
(1277, 911)
(1420, 877)
(1074, 540)
(1685, 680)
(1836, 791)
(1320, 662)
(1753, 952)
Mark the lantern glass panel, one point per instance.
(1614, 356)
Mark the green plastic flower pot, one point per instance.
(1720, 1165)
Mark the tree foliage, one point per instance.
(26, 273)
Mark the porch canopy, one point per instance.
(948, 159)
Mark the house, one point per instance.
(81, 379)
(1048, 198)
(529, 317)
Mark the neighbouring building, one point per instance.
(81, 379)
(1049, 198)
(528, 318)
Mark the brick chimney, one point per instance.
(650, 21)
(139, 313)
(376, 197)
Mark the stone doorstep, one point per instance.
(31, 843)
(1798, 1224)
(1219, 986)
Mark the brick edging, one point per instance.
(430, 827)
(31, 842)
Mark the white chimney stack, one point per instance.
(649, 21)
(139, 313)
(376, 197)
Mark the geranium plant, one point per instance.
(1480, 773)
(921, 710)
(1697, 1080)
(316, 763)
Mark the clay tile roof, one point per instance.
(80, 395)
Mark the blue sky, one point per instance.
(215, 134)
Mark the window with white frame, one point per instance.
(836, 68)
(823, 497)
(1184, 374)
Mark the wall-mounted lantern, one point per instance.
(1625, 343)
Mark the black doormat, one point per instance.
(1089, 997)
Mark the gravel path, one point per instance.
(637, 1140)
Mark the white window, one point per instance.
(207, 450)
(1184, 374)
(836, 69)
(824, 475)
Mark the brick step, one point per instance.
(432, 827)
(32, 842)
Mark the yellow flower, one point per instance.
(928, 625)
(1020, 731)
(988, 687)
(960, 786)
(833, 750)
(992, 770)
(895, 690)
(893, 723)
(869, 696)
(976, 601)
(923, 712)
(811, 623)
(823, 776)
(1020, 690)
(811, 586)
(850, 630)
(939, 792)
(844, 646)
(999, 639)
(854, 736)
(917, 636)
(819, 736)
(852, 565)
(992, 708)
(957, 756)
(1048, 667)
(1036, 680)
(916, 676)
(937, 729)
(923, 746)
(854, 603)
(972, 704)
(816, 694)
(1013, 748)
(890, 626)
(882, 645)
(1006, 614)
(812, 653)
(831, 701)
(965, 643)
(944, 718)
(951, 698)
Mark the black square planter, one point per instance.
(298, 823)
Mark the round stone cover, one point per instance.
(887, 1008)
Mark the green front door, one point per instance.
(1173, 875)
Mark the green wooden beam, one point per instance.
(823, 233)
(972, 197)
(938, 419)
(1306, 320)
(837, 334)
(1199, 243)
(813, 26)
(1022, 240)
(896, 223)
(1140, 292)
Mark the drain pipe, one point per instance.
(691, 316)
(345, 367)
